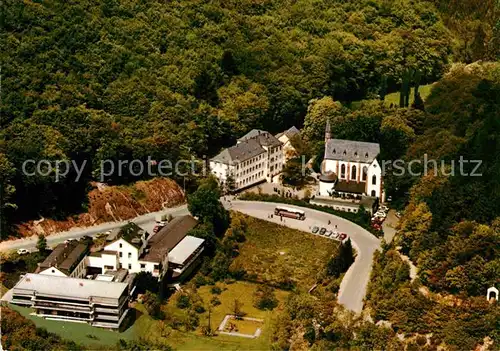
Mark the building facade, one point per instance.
(350, 168)
(66, 260)
(286, 138)
(99, 303)
(257, 157)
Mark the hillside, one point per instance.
(128, 80)
(113, 203)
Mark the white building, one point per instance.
(98, 303)
(257, 157)
(350, 168)
(66, 260)
(131, 248)
(286, 138)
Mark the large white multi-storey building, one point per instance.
(257, 157)
(350, 167)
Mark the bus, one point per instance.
(289, 212)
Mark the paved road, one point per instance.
(352, 288)
(146, 221)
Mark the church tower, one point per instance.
(328, 131)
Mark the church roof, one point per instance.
(351, 151)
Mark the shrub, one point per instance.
(200, 280)
(216, 290)
(199, 309)
(183, 301)
(215, 301)
(264, 298)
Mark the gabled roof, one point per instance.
(130, 232)
(65, 257)
(351, 151)
(240, 152)
(167, 238)
(289, 133)
(250, 145)
(251, 134)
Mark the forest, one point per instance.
(123, 80)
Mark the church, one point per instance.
(350, 169)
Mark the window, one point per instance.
(342, 171)
(374, 179)
(143, 265)
(353, 172)
(373, 193)
(365, 173)
(366, 155)
(345, 152)
(121, 254)
(121, 245)
(130, 255)
(129, 266)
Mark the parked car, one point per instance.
(157, 228)
(328, 233)
(398, 214)
(384, 208)
(69, 241)
(23, 251)
(342, 236)
(380, 214)
(322, 231)
(335, 235)
(315, 230)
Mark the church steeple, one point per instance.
(328, 131)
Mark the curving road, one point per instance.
(352, 288)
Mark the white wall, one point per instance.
(131, 263)
(53, 271)
(374, 170)
(325, 188)
(80, 270)
(105, 262)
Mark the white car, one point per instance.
(23, 251)
(381, 213)
(384, 208)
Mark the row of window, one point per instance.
(248, 162)
(251, 169)
(129, 254)
(354, 174)
(250, 179)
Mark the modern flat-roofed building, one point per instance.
(161, 245)
(99, 303)
(182, 256)
(66, 260)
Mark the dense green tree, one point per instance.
(41, 244)
(205, 204)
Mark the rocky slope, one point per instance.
(113, 203)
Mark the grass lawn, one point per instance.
(393, 98)
(194, 340)
(77, 331)
(272, 253)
